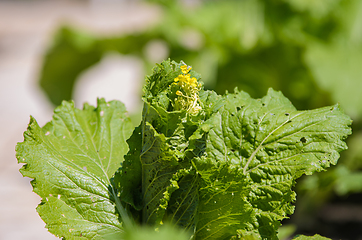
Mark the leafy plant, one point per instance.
(218, 167)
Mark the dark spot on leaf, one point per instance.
(286, 114)
(238, 108)
(303, 140)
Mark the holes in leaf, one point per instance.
(238, 108)
(286, 114)
(303, 140)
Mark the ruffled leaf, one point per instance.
(272, 144)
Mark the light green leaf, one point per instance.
(165, 232)
(286, 230)
(72, 160)
(336, 68)
(315, 237)
(272, 144)
(347, 181)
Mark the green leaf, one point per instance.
(315, 237)
(159, 81)
(335, 63)
(271, 144)
(157, 178)
(159, 163)
(223, 210)
(347, 181)
(72, 53)
(165, 232)
(128, 179)
(183, 200)
(286, 230)
(336, 68)
(72, 160)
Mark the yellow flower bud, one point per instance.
(188, 98)
(185, 69)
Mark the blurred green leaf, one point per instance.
(232, 42)
(315, 237)
(286, 231)
(165, 232)
(348, 181)
(72, 52)
(326, 62)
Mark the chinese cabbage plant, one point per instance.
(217, 167)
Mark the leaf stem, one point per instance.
(127, 220)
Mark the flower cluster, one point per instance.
(188, 91)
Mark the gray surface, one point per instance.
(25, 31)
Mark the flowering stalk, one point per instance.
(187, 92)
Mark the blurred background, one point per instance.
(54, 50)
